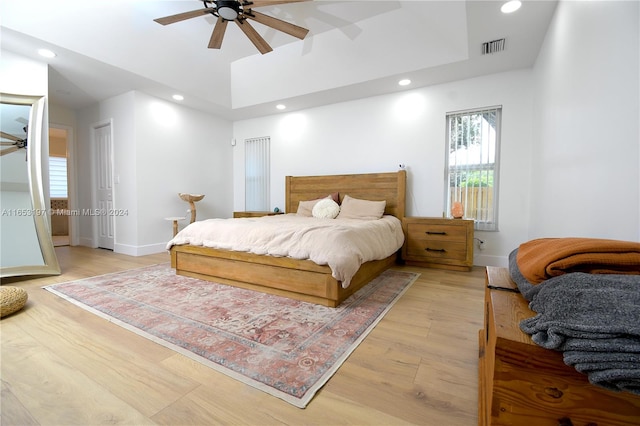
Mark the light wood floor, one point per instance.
(62, 365)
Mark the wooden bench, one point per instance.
(521, 383)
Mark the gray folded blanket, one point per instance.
(594, 319)
(585, 306)
(527, 289)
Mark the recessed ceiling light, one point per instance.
(404, 82)
(281, 106)
(178, 97)
(46, 53)
(511, 6)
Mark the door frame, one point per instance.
(72, 184)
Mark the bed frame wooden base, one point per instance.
(298, 279)
(282, 276)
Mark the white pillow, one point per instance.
(326, 209)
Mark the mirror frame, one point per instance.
(37, 132)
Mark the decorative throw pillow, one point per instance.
(354, 208)
(326, 209)
(305, 208)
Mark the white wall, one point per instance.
(179, 150)
(84, 172)
(586, 156)
(378, 133)
(159, 149)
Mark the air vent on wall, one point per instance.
(493, 46)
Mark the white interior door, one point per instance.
(104, 189)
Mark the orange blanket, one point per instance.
(541, 259)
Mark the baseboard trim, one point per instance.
(139, 250)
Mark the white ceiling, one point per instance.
(354, 49)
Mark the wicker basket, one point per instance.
(12, 299)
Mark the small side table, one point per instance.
(175, 220)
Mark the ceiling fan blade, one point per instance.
(278, 24)
(183, 16)
(8, 150)
(257, 40)
(7, 143)
(10, 137)
(218, 34)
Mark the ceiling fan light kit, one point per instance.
(240, 12)
(228, 10)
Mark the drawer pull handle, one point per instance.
(438, 250)
(486, 321)
(435, 233)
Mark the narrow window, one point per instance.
(257, 173)
(57, 177)
(471, 164)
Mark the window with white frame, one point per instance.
(58, 177)
(257, 160)
(472, 158)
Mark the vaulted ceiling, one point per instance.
(354, 49)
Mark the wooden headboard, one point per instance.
(371, 186)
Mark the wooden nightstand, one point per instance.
(255, 214)
(438, 243)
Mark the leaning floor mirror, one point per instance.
(25, 238)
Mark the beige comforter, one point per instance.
(342, 244)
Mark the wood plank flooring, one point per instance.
(61, 365)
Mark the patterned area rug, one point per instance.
(284, 347)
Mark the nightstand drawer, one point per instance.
(427, 232)
(436, 249)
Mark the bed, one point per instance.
(298, 278)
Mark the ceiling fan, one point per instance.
(240, 12)
(15, 144)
